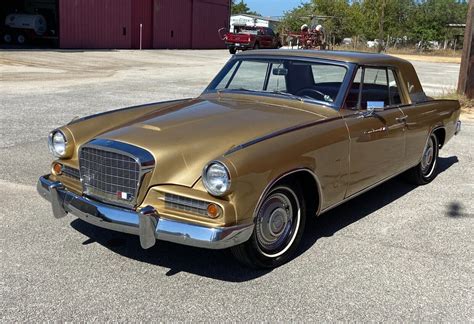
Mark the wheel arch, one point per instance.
(311, 189)
(440, 133)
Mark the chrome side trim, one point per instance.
(146, 223)
(279, 132)
(269, 186)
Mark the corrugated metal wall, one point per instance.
(208, 17)
(95, 23)
(142, 13)
(172, 24)
(166, 23)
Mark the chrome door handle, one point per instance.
(401, 119)
(378, 130)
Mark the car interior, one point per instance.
(300, 82)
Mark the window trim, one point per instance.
(362, 79)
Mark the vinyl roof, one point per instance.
(343, 56)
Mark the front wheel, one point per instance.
(21, 39)
(232, 50)
(425, 171)
(279, 226)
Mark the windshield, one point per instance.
(302, 80)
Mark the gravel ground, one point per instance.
(396, 253)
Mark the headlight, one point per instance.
(216, 178)
(57, 144)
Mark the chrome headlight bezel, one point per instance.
(208, 183)
(53, 144)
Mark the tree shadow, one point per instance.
(219, 264)
(455, 209)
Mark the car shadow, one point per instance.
(219, 264)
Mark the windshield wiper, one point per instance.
(242, 89)
(286, 94)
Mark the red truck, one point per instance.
(245, 37)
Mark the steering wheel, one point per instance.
(309, 92)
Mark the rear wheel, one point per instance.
(232, 50)
(279, 226)
(256, 46)
(425, 171)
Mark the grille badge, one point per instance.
(124, 195)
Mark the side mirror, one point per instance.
(280, 71)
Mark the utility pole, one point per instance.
(382, 4)
(466, 74)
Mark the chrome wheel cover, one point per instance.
(277, 223)
(428, 159)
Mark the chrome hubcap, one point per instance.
(428, 159)
(428, 155)
(276, 224)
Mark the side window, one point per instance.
(353, 95)
(277, 82)
(379, 89)
(395, 98)
(375, 88)
(250, 75)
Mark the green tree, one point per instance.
(242, 8)
(414, 20)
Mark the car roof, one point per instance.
(342, 56)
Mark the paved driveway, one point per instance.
(396, 253)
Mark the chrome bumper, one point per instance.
(145, 223)
(458, 127)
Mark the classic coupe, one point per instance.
(278, 136)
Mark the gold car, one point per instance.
(277, 137)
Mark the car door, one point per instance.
(376, 126)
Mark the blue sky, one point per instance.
(272, 7)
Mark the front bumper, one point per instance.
(239, 45)
(146, 223)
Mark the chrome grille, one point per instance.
(70, 172)
(111, 174)
(186, 204)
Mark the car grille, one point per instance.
(111, 175)
(70, 172)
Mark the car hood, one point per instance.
(183, 138)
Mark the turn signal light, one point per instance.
(57, 168)
(213, 210)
